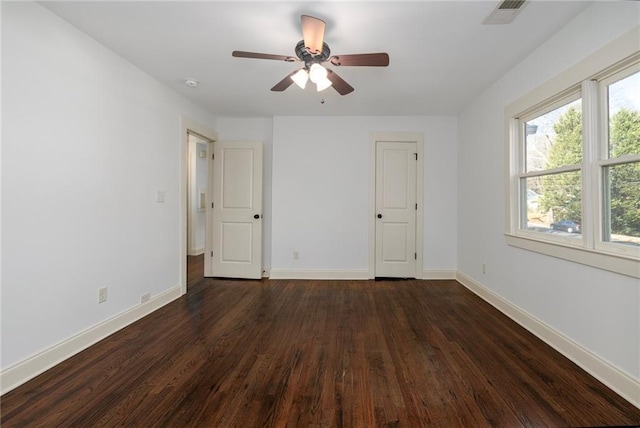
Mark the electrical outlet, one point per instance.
(296, 255)
(145, 297)
(102, 295)
(484, 268)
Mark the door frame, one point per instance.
(188, 126)
(400, 137)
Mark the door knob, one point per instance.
(256, 216)
(379, 215)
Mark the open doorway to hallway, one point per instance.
(198, 180)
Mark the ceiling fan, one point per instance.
(313, 51)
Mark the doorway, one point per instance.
(396, 224)
(191, 201)
(197, 182)
(198, 172)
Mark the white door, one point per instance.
(237, 210)
(395, 230)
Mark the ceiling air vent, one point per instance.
(505, 12)
(511, 4)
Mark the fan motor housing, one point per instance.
(303, 53)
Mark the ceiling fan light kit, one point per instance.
(323, 84)
(313, 51)
(318, 75)
(300, 78)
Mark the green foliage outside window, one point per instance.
(625, 179)
(561, 193)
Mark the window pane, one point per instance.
(622, 203)
(555, 138)
(554, 203)
(534, 218)
(624, 116)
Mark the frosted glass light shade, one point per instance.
(323, 84)
(300, 78)
(317, 73)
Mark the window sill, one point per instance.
(611, 262)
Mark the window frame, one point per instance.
(605, 161)
(587, 78)
(567, 97)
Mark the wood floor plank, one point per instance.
(318, 354)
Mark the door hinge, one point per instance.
(212, 254)
(213, 156)
(416, 156)
(416, 205)
(415, 256)
(211, 204)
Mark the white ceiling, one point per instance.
(441, 56)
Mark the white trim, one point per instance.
(189, 126)
(623, 384)
(543, 172)
(318, 274)
(413, 137)
(31, 367)
(266, 272)
(624, 159)
(347, 274)
(611, 262)
(208, 219)
(591, 188)
(438, 274)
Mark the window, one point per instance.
(552, 170)
(621, 167)
(574, 164)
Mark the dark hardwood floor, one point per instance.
(195, 270)
(319, 353)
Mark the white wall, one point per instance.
(255, 129)
(597, 309)
(321, 190)
(87, 140)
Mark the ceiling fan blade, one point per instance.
(312, 33)
(243, 54)
(380, 59)
(338, 83)
(284, 83)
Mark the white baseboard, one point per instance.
(318, 274)
(347, 274)
(623, 384)
(31, 367)
(438, 274)
(266, 272)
